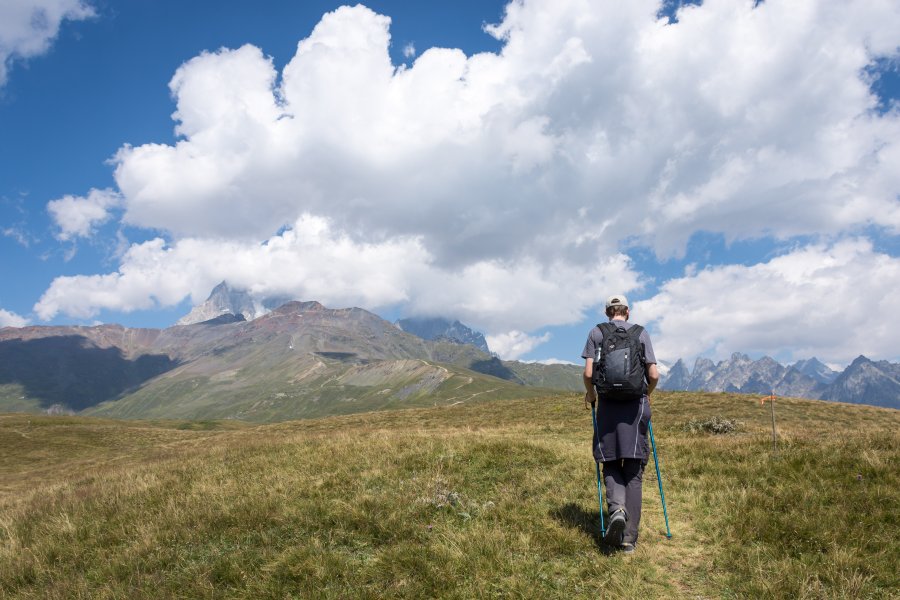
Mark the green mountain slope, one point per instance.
(558, 377)
(304, 360)
(495, 499)
(305, 385)
(300, 360)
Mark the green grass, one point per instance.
(264, 395)
(14, 398)
(496, 499)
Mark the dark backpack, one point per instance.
(619, 367)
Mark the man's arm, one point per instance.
(590, 395)
(652, 378)
(650, 361)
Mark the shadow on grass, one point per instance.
(71, 370)
(495, 367)
(588, 521)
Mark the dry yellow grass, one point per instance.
(490, 500)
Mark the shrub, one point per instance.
(716, 425)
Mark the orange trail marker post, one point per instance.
(771, 399)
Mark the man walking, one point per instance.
(619, 375)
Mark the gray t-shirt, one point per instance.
(592, 346)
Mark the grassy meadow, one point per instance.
(489, 500)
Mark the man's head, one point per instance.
(617, 306)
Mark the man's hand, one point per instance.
(590, 394)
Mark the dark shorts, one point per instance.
(622, 430)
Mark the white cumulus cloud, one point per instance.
(552, 361)
(656, 129)
(513, 344)
(313, 260)
(831, 301)
(504, 187)
(28, 27)
(11, 319)
(77, 216)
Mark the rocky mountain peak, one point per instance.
(222, 300)
(814, 368)
(439, 328)
(225, 299)
(678, 377)
(702, 364)
(867, 382)
(863, 381)
(739, 357)
(859, 361)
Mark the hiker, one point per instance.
(623, 415)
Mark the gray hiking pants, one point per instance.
(623, 490)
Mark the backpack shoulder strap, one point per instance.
(635, 332)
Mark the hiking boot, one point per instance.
(616, 528)
(627, 548)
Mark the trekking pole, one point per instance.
(659, 479)
(599, 481)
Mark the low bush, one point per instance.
(715, 425)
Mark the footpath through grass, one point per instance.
(491, 500)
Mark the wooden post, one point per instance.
(774, 434)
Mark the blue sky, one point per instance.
(732, 168)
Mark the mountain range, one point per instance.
(237, 357)
(438, 328)
(298, 360)
(864, 381)
(227, 300)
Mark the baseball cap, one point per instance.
(617, 300)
